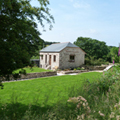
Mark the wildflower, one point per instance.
(81, 98)
(84, 104)
(78, 117)
(78, 105)
(88, 110)
(113, 62)
(118, 117)
(81, 117)
(112, 115)
(101, 114)
(74, 100)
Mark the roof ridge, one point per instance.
(58, 46)
(60, 43)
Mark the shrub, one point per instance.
(93, 61)
(74, 69)
(78, 68)
(102, 97)
(106, 81)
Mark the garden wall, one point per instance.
(34, 75)
(38, 75)
(94, 67)
(73, 71)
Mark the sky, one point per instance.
(97, 19)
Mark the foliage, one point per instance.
(93, 47)
(105, 82)
(78, 68)
(102, 97)
(46, 43)
(20, 39)
(93, 61)
(114, 54)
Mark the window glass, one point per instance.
(72, 58)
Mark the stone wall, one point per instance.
(38, 75)
(94, 67)
(65, 62)
(73, 71)
(35, 75)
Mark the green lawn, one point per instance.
(40, 98)
(45, 91)
(32, 70)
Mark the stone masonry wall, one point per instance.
(36, 75)
(94, 67)
(65, 58)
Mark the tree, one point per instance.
(93, 47)
(114, 54)
(19, 36)
(47, 43)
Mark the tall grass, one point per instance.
(102, 96)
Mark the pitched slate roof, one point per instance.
(57, 47)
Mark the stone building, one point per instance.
(62, 56)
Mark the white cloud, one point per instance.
(81, 5)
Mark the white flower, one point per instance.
(101, 114)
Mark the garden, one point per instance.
(41, 96)
(91, 95)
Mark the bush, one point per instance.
(93, 61)
(78, 68)
(107, 80)
(102, 100)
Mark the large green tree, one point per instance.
(19, 35)
(93, 47)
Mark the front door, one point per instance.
(49, 59)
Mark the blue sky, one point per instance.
(97, 19)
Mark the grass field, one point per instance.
(46, 98)
(32, 70)
(42, 93)
(51, 89)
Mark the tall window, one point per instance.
(54, 58)
(45, 58)
(72, 58)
